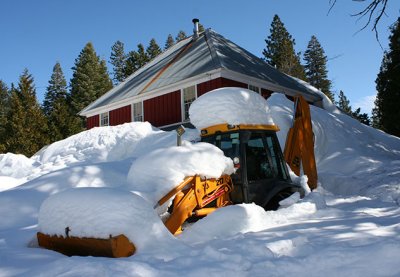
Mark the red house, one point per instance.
(162, 91)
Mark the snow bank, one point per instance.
(326, 102)
(352, 158)
(99, 144)
(155, 174)
(244, 218)
(229, 105)
(15, 165)
(101, 212)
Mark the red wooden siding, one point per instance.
(232, 83)
(208, 86)
(93, 121)
(217, 83)
(120, 115)
(163, 110)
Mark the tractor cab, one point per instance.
(261, 173)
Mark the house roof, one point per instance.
(189, 58)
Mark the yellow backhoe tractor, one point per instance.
(261, 177)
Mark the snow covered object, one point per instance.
(230, 105)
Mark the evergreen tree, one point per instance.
(362, 117)
(386, 112)
(280, 51)
(57, 88)
(315, 66)
(380, 86)
(170, 41)
(130, 63)
(344, 103)
(180, 36)
(153, 50)
(55, 105)
(118, 61)
(136, 59)
(4, 109)
(26, 125)
(142, 56)
(90, 80)
(201, 28)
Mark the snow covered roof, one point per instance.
(190, 58)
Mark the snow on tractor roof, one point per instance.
(231, 106)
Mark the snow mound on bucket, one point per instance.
(154, 175)
(101, 212)
(229, 105)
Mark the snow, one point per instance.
(225, 105)
(349, 226)
(101, 212)
(173, 164)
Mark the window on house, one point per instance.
(254, 88)
(104, 119)
(189, 95)
(137, 111)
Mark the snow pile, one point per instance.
(352, 158)
(99, 144)
(101, 212)
(326, 102)
(244, 218)
(15, 166)
(229, 105)
(155, 174)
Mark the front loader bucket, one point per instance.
(115, 247)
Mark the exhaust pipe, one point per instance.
(196, 28)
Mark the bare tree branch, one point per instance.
(374, 8)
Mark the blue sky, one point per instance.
(37, 34)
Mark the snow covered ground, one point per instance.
(349, 226)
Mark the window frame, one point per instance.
(104, 119)
(134, 116)
(183, 104)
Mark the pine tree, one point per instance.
(386, 114)
(90, 80)
(169, 42)
(4, 109)
(142, 56)
(136, 59)
(201, 28)
(57, 88)
(315, 66)
(344, 103)
(153, 50)
(180, 36)
(55, 105)
(380, 87)
(118, 61)
(362, 117)
(280, 51)
(26, 125)
(130, 63)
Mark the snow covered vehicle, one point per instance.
(261, 174)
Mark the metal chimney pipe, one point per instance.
(196, 28)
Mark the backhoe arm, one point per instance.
(299, 146)
(196, 197)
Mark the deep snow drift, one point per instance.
(349, 226)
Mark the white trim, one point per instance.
(183, 102)
(133, 111)
(201, 78)
(108, 119)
